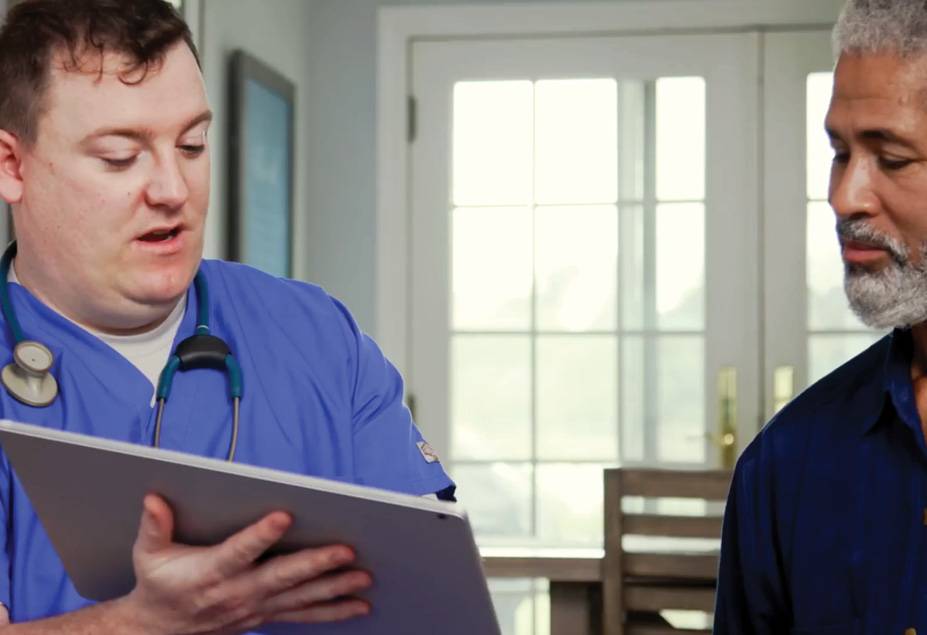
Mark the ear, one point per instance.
(11, 155)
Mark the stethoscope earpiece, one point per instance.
(27, 378)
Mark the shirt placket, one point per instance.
(913, 611)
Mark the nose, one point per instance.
(853, 188)
(168, 185)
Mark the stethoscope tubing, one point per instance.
(201, 350)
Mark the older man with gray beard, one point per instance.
(825, 530)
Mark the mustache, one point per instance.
(857, 230)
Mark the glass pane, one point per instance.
(634, 505)
(680, 138)
(522, 605)
(632, 117)
(497, 498)
(577, 397)
(492, 145)
(513, 601)
(673, 506)
(490, 397)
(542, 608)
(577, 141)
(686, 619)
(827, 303)
(631, 253)
(576, 267)
(681, 266)
(681, 394)
(632, 399)
(491, 268)
(818, 145)
(570, 504)
(827, 352)
(681, 506)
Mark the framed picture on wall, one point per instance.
(261, 156)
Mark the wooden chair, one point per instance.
(637, 585)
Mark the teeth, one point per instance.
(160, 234)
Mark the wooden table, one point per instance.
(575, 577)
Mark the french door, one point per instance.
(621, 253)
(585, 277)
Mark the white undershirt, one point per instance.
(148, 351)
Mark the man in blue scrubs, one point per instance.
(105, 161)
(826, 526)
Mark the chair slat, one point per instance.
(659, 598)
(674, 526)
(670, 566)
(704, 484)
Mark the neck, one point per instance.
(23, 277)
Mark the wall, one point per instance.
(340, 239)
(277, 37)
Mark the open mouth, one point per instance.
(160, 235)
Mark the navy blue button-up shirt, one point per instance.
(825, 529)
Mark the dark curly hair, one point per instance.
(35, 31)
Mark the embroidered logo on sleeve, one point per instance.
(428, 452)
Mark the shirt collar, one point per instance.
(895, 389)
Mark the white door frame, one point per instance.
(398, 27)
(789, 59)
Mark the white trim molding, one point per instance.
(398, 27)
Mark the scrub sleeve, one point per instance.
(389, 451)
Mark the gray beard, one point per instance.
(895, 297)
(892, 297)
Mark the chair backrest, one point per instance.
(657, 575)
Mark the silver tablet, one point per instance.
(88, 493)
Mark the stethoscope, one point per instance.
(29, 380)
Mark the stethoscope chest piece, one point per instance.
(27, 378)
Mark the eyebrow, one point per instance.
(144, 134)
(875, 134)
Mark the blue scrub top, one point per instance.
(319, 399)
(825, 530)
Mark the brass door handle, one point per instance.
(726, 440)
(726, 437)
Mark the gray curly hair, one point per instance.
(873, 26)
